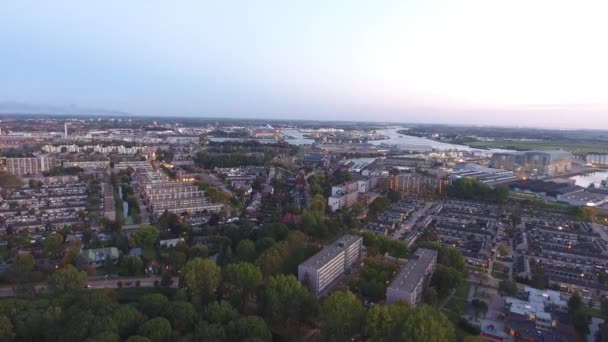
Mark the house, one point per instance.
(97, 256)
(167, 243)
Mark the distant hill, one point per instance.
(12, 107)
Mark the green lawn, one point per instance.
(455, 306)
(594, 312)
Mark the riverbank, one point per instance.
(522, 145)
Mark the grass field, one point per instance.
(543, 145)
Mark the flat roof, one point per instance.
(320, 259)
(409, 276)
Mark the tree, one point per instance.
(220, 312)
(385, 322)
(283, 297)
(341, 316)
(398, 322)
(131, 265)
(22, 268)
(575, 303)
(68, 278)
(202, 278)
(152, 304)
(428, 324)
(146, 236)
(242, 281)
(127, 319)
(502, 250)
(106, 336)
(6, 329)
(137, 338)
(182, 315)
(214, 332)
(445, 279)
(394, 196)
(157, 329)
(250, 328)
(245, 250)
(52, 245)
(198, 251)
(479, 307)
(508, 287)
(604, 306)
(430, 296)
(451, 257)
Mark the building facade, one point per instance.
(29, 166)
(411, 280)
(536, 162)
(320, 270)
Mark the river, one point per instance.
(394, 138)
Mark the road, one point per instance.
(110, 283)
(411, 221)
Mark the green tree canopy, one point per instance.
(250, 328)
(146, 236)
(341, 316)
(67, 278)
(202, 278)
(283, 297)
(157, 329)
(242, 280)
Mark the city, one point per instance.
(496, 244)
(318, 171)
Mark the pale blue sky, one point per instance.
(477, 61)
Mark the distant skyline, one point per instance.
(509, 63)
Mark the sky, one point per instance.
(491, 62)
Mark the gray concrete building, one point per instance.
(320, 270)
(411, 280)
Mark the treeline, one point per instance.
(251, 146)
(210, 161)
(472, 189)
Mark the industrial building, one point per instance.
(535, 162)
(411, 280)
(320, 270)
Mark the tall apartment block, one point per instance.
(320, 270)
(411, 183)
(411, 280)
(29, 166)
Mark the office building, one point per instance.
(411, 280)
(323, 268)
(535, 162)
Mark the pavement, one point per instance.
(104, 283)
(411, 221)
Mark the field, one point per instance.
(543, 145)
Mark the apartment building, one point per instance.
(320, 270)
(415, 184)
(411, 280)
(30, 165)
(347, 194)
(537, 162)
